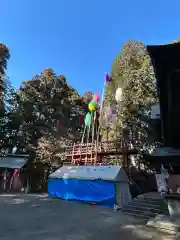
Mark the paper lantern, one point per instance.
(92, 106)
(87, 119)
(118, 95)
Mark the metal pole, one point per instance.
(101, 108)
(82, 140)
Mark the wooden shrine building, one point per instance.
(13, 177)
(166, 63)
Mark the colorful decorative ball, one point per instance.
(96, 97)
(92, 106)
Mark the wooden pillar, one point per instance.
(125, 155)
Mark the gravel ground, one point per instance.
(38, 217)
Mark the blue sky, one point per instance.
(80, 38)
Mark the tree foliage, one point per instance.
(41, 116)
(4, 56)
(50, 112)
(132, 71)
(7, 96)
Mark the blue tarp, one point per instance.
(91, 191)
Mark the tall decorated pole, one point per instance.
(87, 123)
(107, 79)
(90, 119)
(118, 98)
(107, 117)
(92, 107)
(96, 99)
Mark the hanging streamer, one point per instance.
(87, 119)
(107, 78)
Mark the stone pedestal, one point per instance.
(173, 202)
(174, 208)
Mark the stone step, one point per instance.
(157, 201)
(152, 200)
(138, 214)
(149, 203)
(159, 198)
(146, 208)
(139, 211)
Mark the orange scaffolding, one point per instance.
(93, 154)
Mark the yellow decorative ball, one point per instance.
(92, 106)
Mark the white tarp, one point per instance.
(108, 173)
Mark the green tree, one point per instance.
(7, 103)
(4, 57)
(87, 97)
(133, 72)
(176, 41)
(49, 110)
